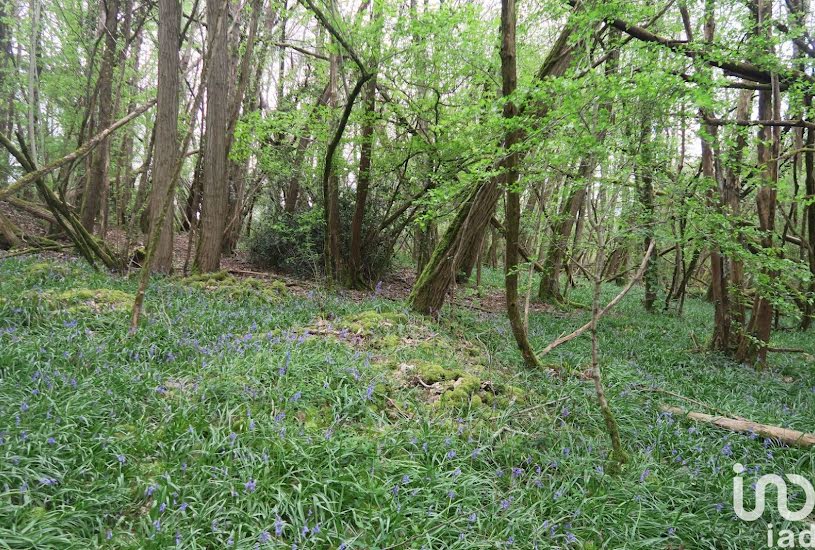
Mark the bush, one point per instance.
(294, 243)
(291, 243)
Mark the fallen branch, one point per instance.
(35, 250)
(787, 350)
(89, 246)
(611, 304)
(78, 154)
(784, 435)
(689, 400)
(31, 208)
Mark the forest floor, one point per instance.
(253, 413)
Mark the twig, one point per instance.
(611, 304)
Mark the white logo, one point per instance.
(781, 487)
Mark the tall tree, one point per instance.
(97, 182)
(214, 206)
(509, 166)
(169, 28)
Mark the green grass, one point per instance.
(229, 420)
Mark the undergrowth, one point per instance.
(304, 421)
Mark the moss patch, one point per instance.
(96, 300)
(225, 285)
(370, 322)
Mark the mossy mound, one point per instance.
(431, 373)
(371, 322)
(96, 300)
(456, 388)
(227, 286)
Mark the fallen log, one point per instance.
(785, 435)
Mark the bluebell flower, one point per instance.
(278, 526)
(121, 459)
(52, 441)
(250, 486)
(264, 537)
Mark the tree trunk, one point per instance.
(753, 343)
(646, 197)
(214, 206)
(809, 182)
(353, 275)
(169, 22)
(363, 183)
(549, 289)
(97, 182)
(464, 233)
(510, 180)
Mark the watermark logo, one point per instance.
(786, 538)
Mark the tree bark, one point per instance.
(96, 184)
(353, 275)
(214, 205)
(509, 166)
(549, 289)
(169, 23)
